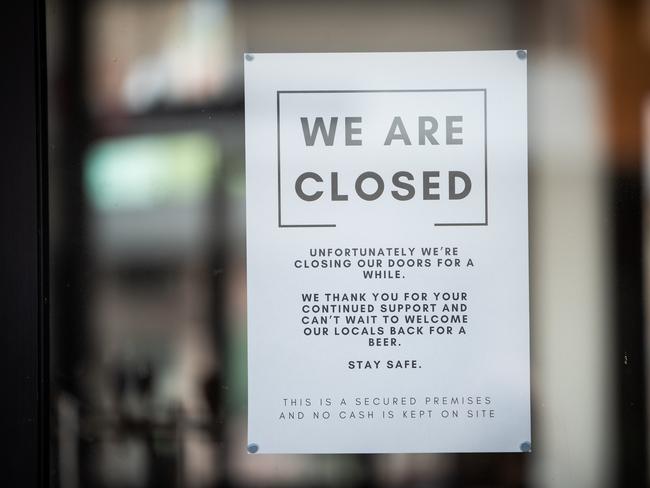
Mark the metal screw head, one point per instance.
(521, 54)
(253, 448)
(249, 57)
(525, 447)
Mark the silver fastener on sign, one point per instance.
(249, 57)
(253, 448)
(521, 54)
(525, 447)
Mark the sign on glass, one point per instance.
(387, 234)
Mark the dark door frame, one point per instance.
(24, 271)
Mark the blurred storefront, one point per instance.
(148, 310)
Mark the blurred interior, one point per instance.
(146, 133)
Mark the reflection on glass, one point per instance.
(148, 246)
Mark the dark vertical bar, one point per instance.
(627, 210)
(68, 253)
(42, 195)
(615, 38)
(23, 277)
(70, 267)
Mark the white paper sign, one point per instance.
(387, 235)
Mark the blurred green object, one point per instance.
(141, 172)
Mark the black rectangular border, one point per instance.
(423, 90)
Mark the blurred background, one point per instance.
(146, 156)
